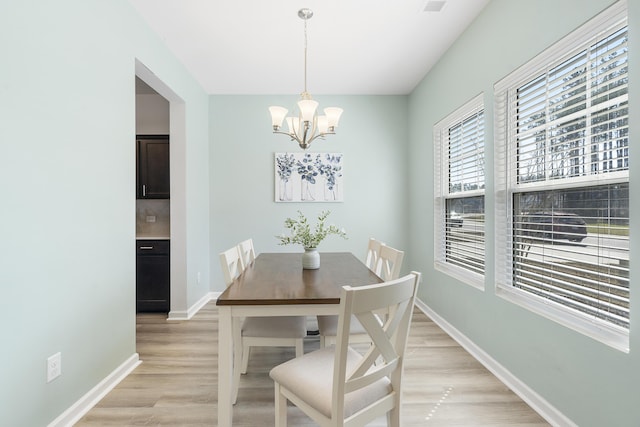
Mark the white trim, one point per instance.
(547, 411)
(89, 400)
(186, 315)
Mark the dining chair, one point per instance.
(279, 331)
(388, 263)
(373, 249)
(338, 386)
(387, 266)
(247, 252)
(231, 264)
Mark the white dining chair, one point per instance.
(330, 323)
(387, 267)
(373, 251)
(247, 252)
(389, 263)
(338, 386)
(231, 264)
(279, 331)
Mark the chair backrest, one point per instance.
(373, 251)
(385, 358)
(389, 263)
(247, 253)
(231, 264)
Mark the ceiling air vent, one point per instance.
(434, 5)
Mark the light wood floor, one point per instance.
(176, 385)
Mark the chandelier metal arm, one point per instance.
(304, 144)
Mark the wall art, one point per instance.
(309, 177)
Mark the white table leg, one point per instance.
(237, 357)
(225, 366)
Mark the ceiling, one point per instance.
(355, 47)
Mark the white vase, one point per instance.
(310, 259)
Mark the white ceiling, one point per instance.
(356, 47)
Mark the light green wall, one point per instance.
(67, 174)
(591, 383)
(372, 136)
(67, 269)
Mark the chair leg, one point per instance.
(299, 347)
(245, 358)
(393, 417)
(281, 407)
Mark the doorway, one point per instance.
(175, 126)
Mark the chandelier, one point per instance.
(307, 125)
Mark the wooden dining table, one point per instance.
(275, 284)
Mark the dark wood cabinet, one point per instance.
(153, 288)
(152, 155)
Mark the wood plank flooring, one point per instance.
(176, 385)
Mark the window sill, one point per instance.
(465, 276)
(615, 337)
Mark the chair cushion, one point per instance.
(310, 377)
(275, 327)
(328, 326)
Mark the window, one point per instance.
(459, 193)
(562, 181)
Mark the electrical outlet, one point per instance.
(198, 277)
(54, 366)
(151, 218)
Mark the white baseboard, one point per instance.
(188, 314)
(85, 403)
(533, 399)
(73, 414)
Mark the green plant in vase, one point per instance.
(310, 238)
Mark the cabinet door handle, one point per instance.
(146, 247)
(144, 190)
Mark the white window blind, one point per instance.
(562, 193)
(572, 119)
(459, 181)
(571, 247)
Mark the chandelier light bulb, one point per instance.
(308, 109)
(277, 116)
(333, 116)
(294, 125)
(323, 124)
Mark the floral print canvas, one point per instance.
(308, 177)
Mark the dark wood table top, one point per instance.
(279, 279)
